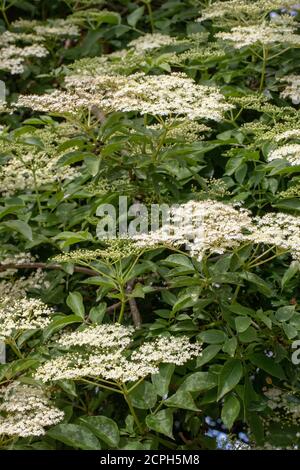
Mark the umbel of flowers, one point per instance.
(103, 352)
(212, 227)
(26, 410)
(158, 95)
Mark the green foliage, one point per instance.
(58, 167)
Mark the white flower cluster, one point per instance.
(17, 288)
(286, 135)
(29, 165)
(292, 90)
(264, 34)
(101, 336)
(22, 174)
(106, 366)
(214, 227)
(289, 152)
(103, 352)
(26, 410)
(54, 28)
(243, 10)
(12, 58)
(22, 314)
(59, 102)
(10, 37)
(16, 258)
(14, 54)
(160, 95)
(151, 41)
(201, 226)
(167, 349)
(278, 229)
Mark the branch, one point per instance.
(77, 269)
(135, 313)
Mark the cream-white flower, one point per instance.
(26, 410)
(22, 314)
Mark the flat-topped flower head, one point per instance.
(289, 152)
(105, 351)
(159, 95)
(243, 11)
(151, 41)
(26, 410)
(102, 336)
(28, 166)
(212, 227)
(267, 34)
(292, 90)
(22, 314)
(202, 226)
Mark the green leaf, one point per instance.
(68, 386)
(199, 381)
(264, 318)
(75, 302)
(179, 260)
(73, 435)
(59, 323)
(70, 238)
(97, 313)
(242, 324)
(212, 337)
(13, 368)
(290, 331)
(230, 346)
(9, 210)
(230, 410)
(293, 269)
(161, 381)
(268, 365)
(285, 313)
(256, 427)
(135, 16)
(93, 164)
(144, 396)
(248, 336)
(261, 285)
(230, 375)
(182, 399)
(104, 428)
(207, 354)
(20, 227)
(161, 422)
